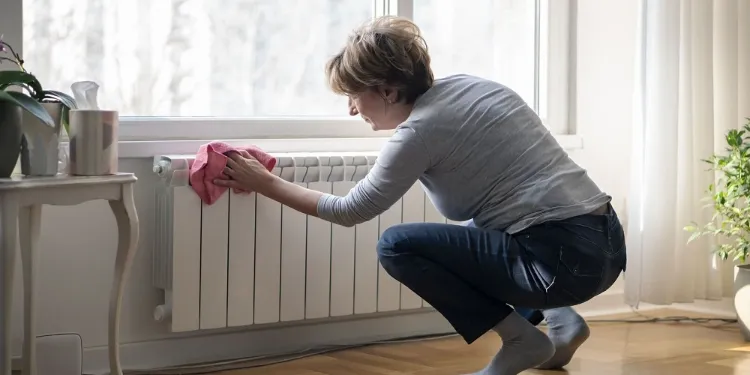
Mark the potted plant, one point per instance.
(38, 135)
(731, 219)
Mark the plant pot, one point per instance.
(10, 137)
(41, 143)
(742, 298)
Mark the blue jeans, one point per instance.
(473, 276)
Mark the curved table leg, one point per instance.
(29, 227)
(8, 235)
(127, 242)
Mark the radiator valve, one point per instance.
(162, 313)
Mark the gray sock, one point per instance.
(524, 346)
(568, 331)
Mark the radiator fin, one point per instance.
(186, 260)
(267, 260)
(342, 261)
(241, 282)
(293, 264)
(318, 262)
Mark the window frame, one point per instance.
(560, 78)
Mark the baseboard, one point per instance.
(722, 308)
(269, 340)
(611, 303)
(274, 340)
(608, 303)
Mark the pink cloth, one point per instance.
(209, 165)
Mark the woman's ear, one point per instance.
(352, 108)
(389, 94)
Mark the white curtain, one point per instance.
(693, 85)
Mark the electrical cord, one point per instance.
(669, 319)
(260, 361)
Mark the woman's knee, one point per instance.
(399, 242)
(393, 242)
(394, 250)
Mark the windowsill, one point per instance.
(149, 149)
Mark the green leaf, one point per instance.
(67, 101)
(18, 78)
(694, 236)
(62, 97)
(28, 104)
(729, 197)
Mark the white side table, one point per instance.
(21, 200)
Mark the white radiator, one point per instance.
(247, 260)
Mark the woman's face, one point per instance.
(378, 108)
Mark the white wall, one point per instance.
(78, 244)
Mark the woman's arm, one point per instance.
(244, 172)
(295, 196)
(400, 164)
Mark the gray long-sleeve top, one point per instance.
(480, 153)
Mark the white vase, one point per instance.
(742, 298)
(40, 149)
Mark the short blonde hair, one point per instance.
(385, 51)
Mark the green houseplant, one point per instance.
(730, 223)
(21, 92)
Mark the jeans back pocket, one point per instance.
(616, 238)
(579, 263)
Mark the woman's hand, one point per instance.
(245, 173)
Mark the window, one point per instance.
(201, 69)
(507, 41)
(489, 38)
(194, 58)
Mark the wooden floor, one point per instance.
(613, 349)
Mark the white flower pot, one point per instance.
(41, 144)
(742, 298)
